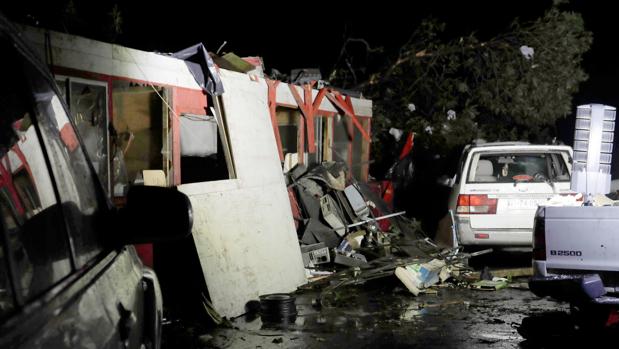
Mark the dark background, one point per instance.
(311, 34)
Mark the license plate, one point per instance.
(524, 203)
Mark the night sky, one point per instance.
(289, 35)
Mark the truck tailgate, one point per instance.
(584, 238)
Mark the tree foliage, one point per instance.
(513, 86)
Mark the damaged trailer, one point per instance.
(145, 119)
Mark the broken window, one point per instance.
(341, 139)
(88, 101)
(141, 134)
(360, 151)
(288, 121)
(205, 149)
(320, 136)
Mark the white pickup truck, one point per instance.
(576, 247)
(576, 254)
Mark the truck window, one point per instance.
(31, 223)
(74, 175)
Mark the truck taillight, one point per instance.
(476, 204)
(539, 236)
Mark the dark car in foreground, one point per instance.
(69, 277)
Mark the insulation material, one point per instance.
(243, 228)
(154, 178)
(198, 135)
(231, 61)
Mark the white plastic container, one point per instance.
(593, 146)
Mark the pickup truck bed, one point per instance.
(576, 253)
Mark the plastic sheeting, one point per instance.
(198, 135)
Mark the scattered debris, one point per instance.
(486, 274)
(520, 286)
(505, 273)
(205, 338)
(355, 260)
(213, 314)
(315, 254)
(231, 61)
(329, 213)
(490, 285)
(417, 277)
(335, 212)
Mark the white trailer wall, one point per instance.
(243, 228)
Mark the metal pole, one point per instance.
(376, 219)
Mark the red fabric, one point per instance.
(384, 189)
(145, 251)
(383, 224)
(408, 146)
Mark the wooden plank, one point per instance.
(272, 87)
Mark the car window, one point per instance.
(77, 184)
(31, 221)
(517, 167)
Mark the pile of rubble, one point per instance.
(337, 218)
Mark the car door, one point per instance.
(60, 286)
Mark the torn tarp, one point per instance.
(202, 68)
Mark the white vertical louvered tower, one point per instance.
(593, 148)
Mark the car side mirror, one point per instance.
(153, 214)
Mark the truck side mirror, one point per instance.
(153, 214)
